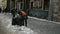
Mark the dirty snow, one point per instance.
(5, 21)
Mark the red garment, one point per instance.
(23, 13)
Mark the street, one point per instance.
(40, 26)
(44, 26)
(43, 16)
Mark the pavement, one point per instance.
(6, 26)
(41, 26)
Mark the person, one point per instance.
(24, 15)
(13, 12)
(18, 20)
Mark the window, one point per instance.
(36, 4)
(40, 4)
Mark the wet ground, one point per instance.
(7, 28)
(39, 26)
(44, 27)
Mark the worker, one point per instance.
(24, 15)
(20, 19)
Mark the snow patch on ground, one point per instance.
(6, 22)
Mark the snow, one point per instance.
(6, 22)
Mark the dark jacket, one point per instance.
(18, 20)
(14, 12)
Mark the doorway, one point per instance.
(46, 4)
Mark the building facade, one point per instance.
(56, 10)
(39, 4)
(45, 5)
(39, 8)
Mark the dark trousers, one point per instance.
(26, 23)
(13, 21)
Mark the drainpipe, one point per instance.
(50, 11)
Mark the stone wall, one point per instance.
(56, 12)
(55, 8)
